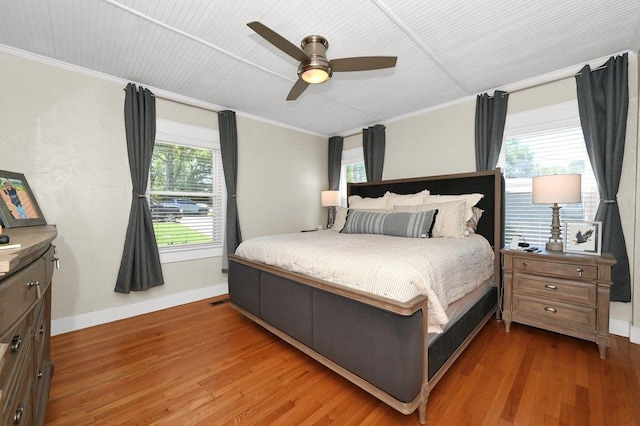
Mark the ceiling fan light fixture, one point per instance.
(314, 67)
(315, 75)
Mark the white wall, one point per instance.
(65, 131)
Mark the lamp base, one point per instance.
(554, 246)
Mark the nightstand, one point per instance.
(557, 291)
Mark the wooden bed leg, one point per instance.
(422, 413)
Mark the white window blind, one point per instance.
(187, 190)
(552, 151)
(352, 171)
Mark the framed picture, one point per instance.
(583, 237)
(18, 206)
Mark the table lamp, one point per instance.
(554, 189)
(330, 199)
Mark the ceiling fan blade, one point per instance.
(297, 89)
(363, 63)
(278, 41)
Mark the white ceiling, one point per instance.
(204, 50)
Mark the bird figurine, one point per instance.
(583, 238)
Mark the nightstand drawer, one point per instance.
(557, 289)
(559, 313)
(563, 270)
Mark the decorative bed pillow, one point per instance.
(410, 225)
(357, 202)
(449, 221)
(471, 200)
(394, 200)
(340, 219)
(472, 224)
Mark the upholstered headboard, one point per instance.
(490, 183)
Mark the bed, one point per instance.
(380, 344)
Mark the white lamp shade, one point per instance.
(561, 189)
(330, 198)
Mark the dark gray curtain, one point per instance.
(335, 161)
(603, 101)
(335, 164)
(140, 266)
(373, 142)
(229, 149)
(491, 114)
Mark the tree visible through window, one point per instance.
(356, 172)
(556, 151)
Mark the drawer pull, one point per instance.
(16, 342)
(40, 374)
(550, 287)
(550, 310)
(17, 417)
(41, 329)
(524, 265)
(580, 271)
(31, 284)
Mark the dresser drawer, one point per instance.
(18, 292)
(557, 289)
(18, 409)
(557, 269)
(40, 350)
(14, 345)
(552, 311)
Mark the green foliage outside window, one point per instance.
(356, 172)
(178, 168)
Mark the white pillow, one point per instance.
(340, 219)
(471, 200)
(472, 224)
(357, 202)
(449, 220)
(394, 199)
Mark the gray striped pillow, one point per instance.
(411, 225)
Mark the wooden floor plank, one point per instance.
(198, 364)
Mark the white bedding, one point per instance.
(444, 269)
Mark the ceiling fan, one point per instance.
(314, 66)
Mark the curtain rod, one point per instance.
(544, 83)
(180, 102)
(357, 133)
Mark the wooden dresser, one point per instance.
(25, 319)
(563, 292)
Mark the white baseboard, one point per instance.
(619, 327)
(90, 319)
(634, 335)
(624, 329)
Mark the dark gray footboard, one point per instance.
(383, 348)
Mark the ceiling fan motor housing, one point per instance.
(317, 69)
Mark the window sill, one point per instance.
(182, 254)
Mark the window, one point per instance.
(542, 142)
(186, 195)
(351, 171)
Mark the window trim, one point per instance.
(539, 120)
(201, 137)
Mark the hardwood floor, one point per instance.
(203, 364)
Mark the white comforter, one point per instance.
(444, 269)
